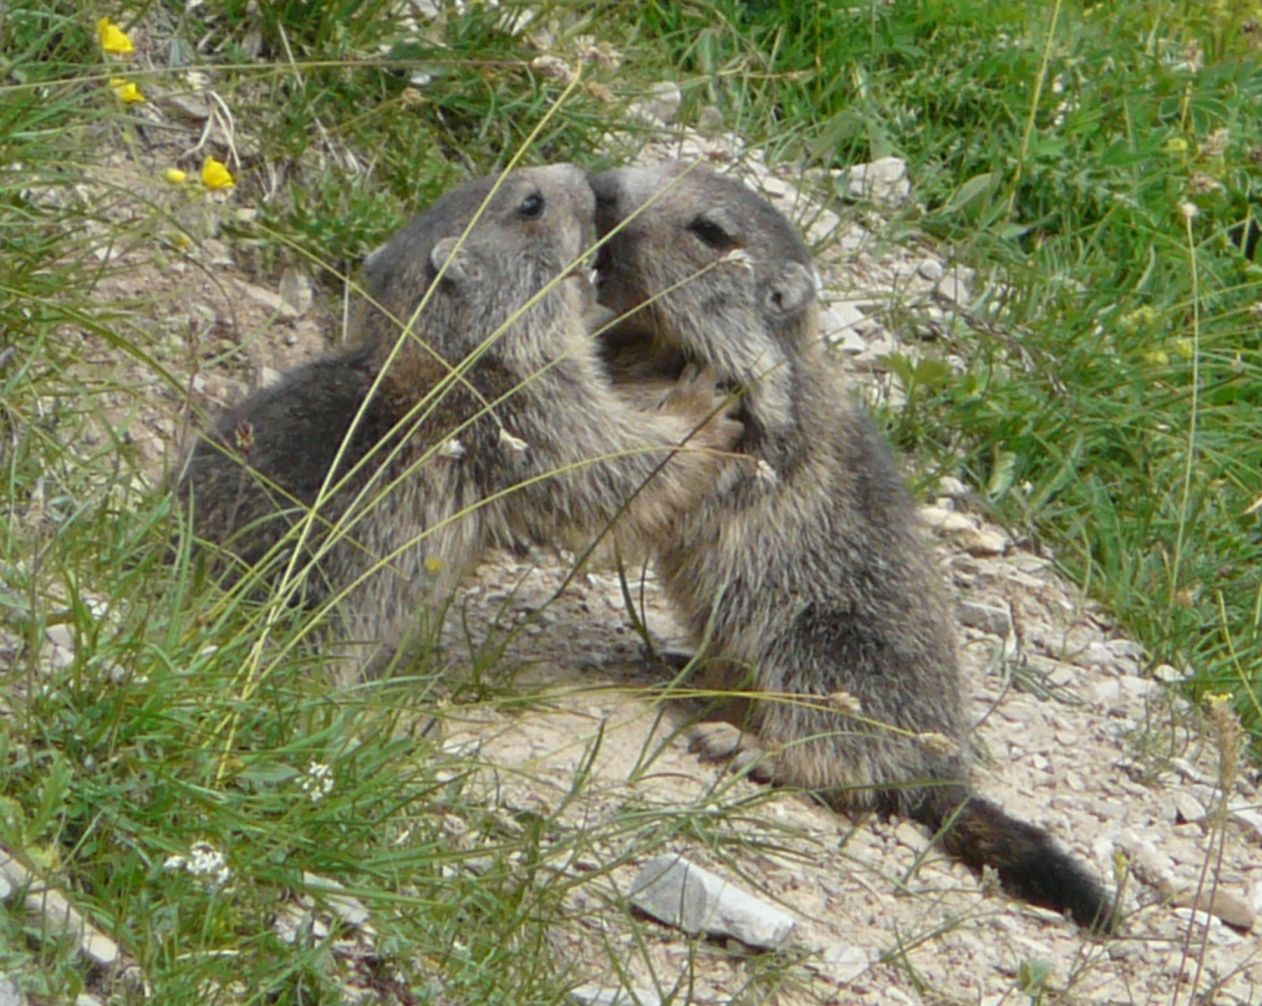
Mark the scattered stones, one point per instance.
(974, 540)
(682, 894)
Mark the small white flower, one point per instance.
(204, 862)
(453, 448)
(513, 443)
(317, 781)
(763, 472)
(739, 257)
(845, 703)
(1188, 210)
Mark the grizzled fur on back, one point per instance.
(805, 570)
(489, 421)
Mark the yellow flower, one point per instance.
(1176, 145)
(215, 175)
(127, 92)
(175, 176)
(1157, 357)
(433, 563)
(113, 38)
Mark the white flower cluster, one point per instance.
(204, 862)
(317, 781)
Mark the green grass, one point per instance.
(1110, 409)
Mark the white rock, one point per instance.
(883, 181)
(996, 621)
(1106, 693)
(840, 323)
(265, 298)
(60, 635)
(345, 906)
(773, 187)
(1232, 909)
(1250, 819)
(930, 269)
(1149, 864)
(911, 836)
(1127, 648)
(1187, 808)
(843, 964)
(953, 289)
(684, 895)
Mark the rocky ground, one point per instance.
(1075, 730)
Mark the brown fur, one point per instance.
(807, 572)
(528, 443)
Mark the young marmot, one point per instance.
(398, 460)
(805, 570)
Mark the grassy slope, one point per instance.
(1116, 417)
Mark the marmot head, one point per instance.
(708, 266)
(528, 233)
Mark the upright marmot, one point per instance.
(397, 460)
(805, 570)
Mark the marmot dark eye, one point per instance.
(711, 233)
(531, 206)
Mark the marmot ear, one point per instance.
(462, 268)
(791, 289)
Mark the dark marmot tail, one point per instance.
(1030, 865)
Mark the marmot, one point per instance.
(805, 571)
(493, 422)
